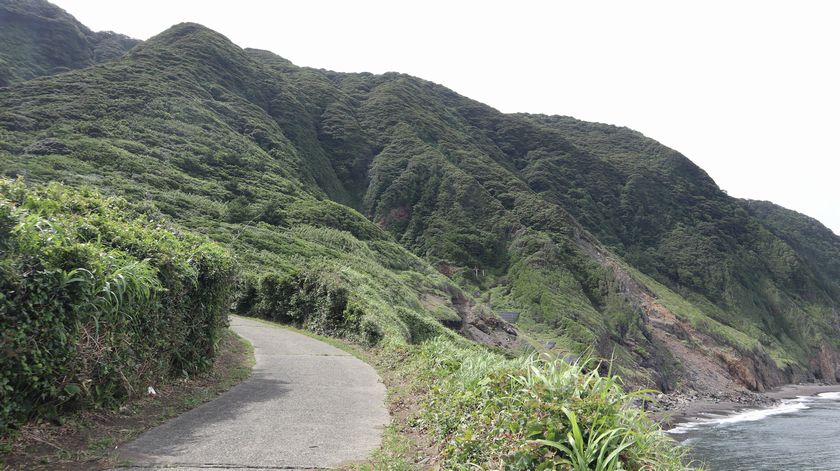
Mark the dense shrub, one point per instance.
(313, 299)
(533, 413)
(97, 301)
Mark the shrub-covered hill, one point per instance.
(98, 300)
(396, 203)
(38, 38)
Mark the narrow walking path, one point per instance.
(307, 405)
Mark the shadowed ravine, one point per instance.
(307, 405)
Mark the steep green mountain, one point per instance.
(38, 38)
(148, 127)
(816, 244)
(395, 206)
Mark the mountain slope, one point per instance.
(38, 38)
(178, 126)
(591, 236)
(816, 244)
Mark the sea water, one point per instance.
(799, 434)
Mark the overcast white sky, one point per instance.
(749, 90)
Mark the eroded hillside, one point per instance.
(410, 207)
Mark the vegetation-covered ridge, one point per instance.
(98, 301)
(38, 38)
(400, 206)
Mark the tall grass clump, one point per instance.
(97, 301)
(535, 413)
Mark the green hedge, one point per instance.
(315, 300)
(98, 301)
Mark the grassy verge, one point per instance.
(459, 406)
(85, 439)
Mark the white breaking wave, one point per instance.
(684, 427)
(758, 414)
(750, 415)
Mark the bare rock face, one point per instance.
(479, 324)
(743, 370)
(483, 327)
(707, 366)
(756, 371)
(826, 365)
(47, 146)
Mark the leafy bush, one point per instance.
(97, 301)
(316, 301)
(534, 413)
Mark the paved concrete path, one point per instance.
(307, 405)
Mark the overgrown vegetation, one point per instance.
(325, 176)
(535, 413)
(86, 438)
(458, 405)
(98, 301)
(39, 38)
(379, 207)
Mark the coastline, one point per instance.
(792, 391)
(676, 409)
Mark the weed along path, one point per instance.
(307, 405)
